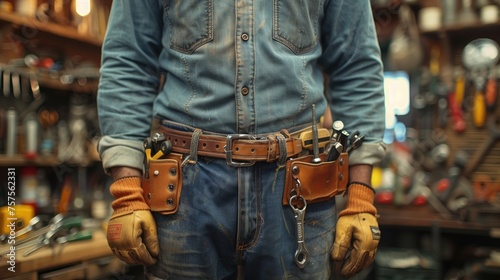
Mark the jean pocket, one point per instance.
(190, 24)
(296, 24)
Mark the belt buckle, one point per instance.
(229, 150)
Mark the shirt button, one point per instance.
(244, 37)
(244, 90)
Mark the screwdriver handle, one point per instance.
(479, 109)
(459, 90)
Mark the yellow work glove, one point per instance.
(131, 229)
(357, 229)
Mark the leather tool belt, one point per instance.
(315, 182)
(238, 149)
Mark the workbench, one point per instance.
(85, 259)
(423, 228)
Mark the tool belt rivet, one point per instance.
(156, 172)
(149, 195)
(170, 201)
(341, 162)
(295, 170)
(171, 187)
(341, 176)
(173, 171)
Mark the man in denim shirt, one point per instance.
(246, 67)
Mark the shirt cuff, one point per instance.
(119, 152)
(370, 153)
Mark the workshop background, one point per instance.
(437, 189)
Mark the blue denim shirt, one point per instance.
(244, 66)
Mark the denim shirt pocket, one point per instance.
(296, 24)
(190, 24)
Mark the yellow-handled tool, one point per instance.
(479, 106)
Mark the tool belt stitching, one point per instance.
(240, 147)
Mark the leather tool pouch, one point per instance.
(318, 181)
(162, 184)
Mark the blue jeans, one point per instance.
(230, 217)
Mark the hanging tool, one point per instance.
(480, 55)
(301, 256)
(459, 87)
(457, 116)
(419, 188)
(447, 185)
(491, 91)
(479, 106)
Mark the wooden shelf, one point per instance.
(472, 29)
(50, 27)
(19, 160)
(426, 217)
(52, 79)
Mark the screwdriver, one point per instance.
(316, 158)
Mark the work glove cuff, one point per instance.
(128, 196)
(360, 198)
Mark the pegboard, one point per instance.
(472, 139)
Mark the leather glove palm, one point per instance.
(357, 229)
(131, 229)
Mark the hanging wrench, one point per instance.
(301, 254)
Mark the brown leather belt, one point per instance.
(237, 149)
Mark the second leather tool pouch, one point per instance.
(162, 184)
(315, 182)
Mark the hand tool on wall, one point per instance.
(485, 190)
(480, 55)
(6, 83)
(446, 186)
(420, 188)
(11, 141)
(459, 91)
(479, 107)
(491, 91)
(456, 113)
(481, 152)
